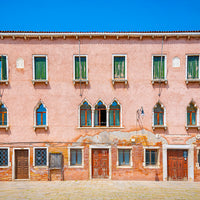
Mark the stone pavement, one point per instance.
(99, 190)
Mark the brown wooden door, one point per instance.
(21, 164)
(177, 165)
(100, 163)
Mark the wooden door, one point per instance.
(21, 164)
(100, 163)
(177, 165)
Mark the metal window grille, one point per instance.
(3, 157)
(40, 157)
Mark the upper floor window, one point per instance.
(41, 115)
(193, 67)
(3, 68)
(158, 115)
(40, 68)
(159, 68)
(114, 114)
(100, 114)
(120, 68)
(3, 115)
(86, 114)
(191, 114)
(80, 68)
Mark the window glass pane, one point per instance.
(147, 157)
(153, 157)
(3, 157)
(120, 156)
(79, 156)
(193, 118)
(192, 67)
(89, 118)
(41, 108)
(44, 118)
(127, 156)
(155, 119)
(1, 122)
(188, 118)
(82, 117)
(73, 157)
(161, 119)
(0, 70)
(96, 117)
(5, 118)
(199, 158)
(117, 121)
(38, 119)
(111, 122)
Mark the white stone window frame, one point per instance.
(6, 127)
(125, 80)
(7, 80)
(9, 163)
(197, 163)
(80, 80)
(197, 117)
(186, 67)
(157, 166)
(33, 63)
(165, 78)
(130, 159)
(164, 117)
(79, 114)
(69, 157)
(35, 126)
(44, 166)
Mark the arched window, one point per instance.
(114, 114)
(85, 113)
(191, 114)
(41, 115)
(100, 114)
(158, 114)
(3, 115)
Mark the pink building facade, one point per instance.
(121, 106)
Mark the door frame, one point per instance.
(13, 163)
(91, 147)
(190, 149)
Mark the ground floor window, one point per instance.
(40, 157)
(4, 157)
(124, 157)
(75, 157)
(151, 156)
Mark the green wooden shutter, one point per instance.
(158, 69)
(4, 68)
(83, 69)
(77, 71)
(193, 67)
(40, 68)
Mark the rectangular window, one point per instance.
(3, 68)
(40, 67)
(192, 67)
(4, 157)
(124, 157)
(151, 157)
(80, 65)
(159, 67)
(119, 67)
(75, 157)
(40, 157)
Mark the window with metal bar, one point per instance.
(40, 157)
(3, 157)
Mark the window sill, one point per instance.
(81, 81)
(40, 127)
(124, 167)
(165, 81)
(100, 127)
(192, 126)
(192, 81)
(40, 81)
(41, 166)
(75, 166)
(119, 81)
(4, 82)
(151, 166)
(6, 127)
(4, 167)
(159, 127)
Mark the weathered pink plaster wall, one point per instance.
(62, 97)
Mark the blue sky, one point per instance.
(102, 15)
